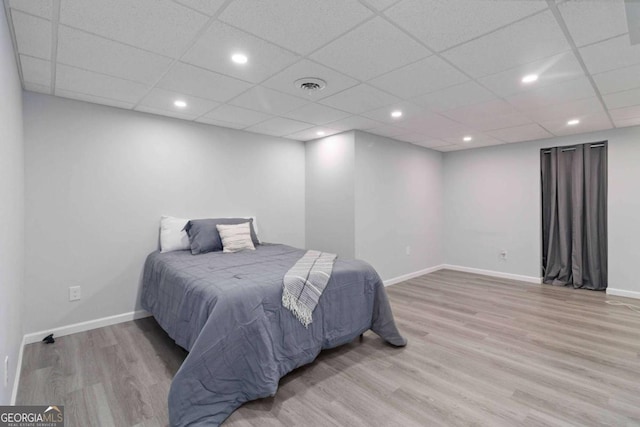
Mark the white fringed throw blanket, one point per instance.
(304, 283)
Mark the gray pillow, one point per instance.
(204, 236)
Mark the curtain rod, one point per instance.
(573, 148)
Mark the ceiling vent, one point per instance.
(310, 85)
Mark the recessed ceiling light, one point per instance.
(320, 133)
(239, 58)
(573, 122)
(396, 114)
(180, 104)
(467, 139)
(530, 78)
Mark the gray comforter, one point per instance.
(226, 310)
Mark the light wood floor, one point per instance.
(482, 351)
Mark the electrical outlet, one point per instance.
(407, 250)
(6, 371)
(74, 293)
(503, 255)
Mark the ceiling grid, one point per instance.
(451, 70)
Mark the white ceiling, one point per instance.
(453, 67)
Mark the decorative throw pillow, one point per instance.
(173, 237)
(235, 237)
(204, 237)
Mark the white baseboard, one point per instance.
(529, 279)
(16, 378)
(85, 326)
(410, 276)
(623, 293)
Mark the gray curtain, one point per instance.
(574, 215)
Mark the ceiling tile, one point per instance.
(34, 87)
(497, 122)
(494, 107)
(388, 131)
(426, 75)
(35, 70)
(214, 49)
(610, 54)
(317, 114)
(312, 133)
(555, 94)
(354, 122)
(384, 114)
(618, 80)
(352, 53)
(190, 80)
(284, 81)
(381, 4)
(418, 138)
(527, 132)
(359, 99)
(565, 111)
(208, 7)
(627, 122)
(627, 98)
(434, 144)
(435, 126)
(479, 140)
(268, 101)
(280, 22)
(83, 50)
(553, 70)
(93, 99)
(220, 123)
(444, 23)
(468, 93)
(39, 8)
(160, 26)
(161, 99)
(489, 115)
(33, 35)
(626, 113)
(590, 123)
(526, 41)
(163, 112)
(279, 126)
(237, 115)
(592, 21)
(99, 85)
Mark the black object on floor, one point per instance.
(49, 339)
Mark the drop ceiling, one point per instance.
(453, 67)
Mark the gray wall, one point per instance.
(330, 219)
(99, 178)
(492, 202)
(11, 210)
(370, 197)
(398, 204)
(624, 210)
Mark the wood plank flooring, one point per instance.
(482, 351)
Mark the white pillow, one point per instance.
(172, 234)
(235, 237)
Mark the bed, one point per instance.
(226, 310)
